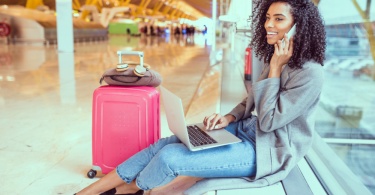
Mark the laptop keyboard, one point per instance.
(199, 137)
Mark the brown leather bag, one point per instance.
(129, 77)
(131, 73)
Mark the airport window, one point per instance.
(346, 115)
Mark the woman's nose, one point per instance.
(269, 24)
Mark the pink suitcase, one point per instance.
(125, 120)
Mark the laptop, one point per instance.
(176, 123)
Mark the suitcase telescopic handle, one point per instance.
(131, 53)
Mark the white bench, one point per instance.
(321, 172)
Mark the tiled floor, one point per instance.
(46, 96)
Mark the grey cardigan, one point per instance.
(285, 108)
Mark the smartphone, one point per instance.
(291, 33)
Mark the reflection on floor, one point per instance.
(46, 96)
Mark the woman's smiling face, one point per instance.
(279, 20)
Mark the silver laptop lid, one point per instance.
(175, 115)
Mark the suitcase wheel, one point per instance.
(91, 174)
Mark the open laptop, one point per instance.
(176, 122)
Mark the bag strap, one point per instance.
(113, 77)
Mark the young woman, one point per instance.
(275, 121)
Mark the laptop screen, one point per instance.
(175, 114)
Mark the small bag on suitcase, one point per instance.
(125, 120)
(130, 73)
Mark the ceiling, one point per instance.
(203, 6)
(195, 8)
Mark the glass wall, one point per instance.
(346, 116)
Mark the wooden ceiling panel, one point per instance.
(197, 8)
(203, 6)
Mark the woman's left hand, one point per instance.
(281, 55)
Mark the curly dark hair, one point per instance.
(309, 40)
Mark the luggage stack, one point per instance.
(125, 120)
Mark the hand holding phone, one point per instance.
(291, 33)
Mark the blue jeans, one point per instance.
(168, 158)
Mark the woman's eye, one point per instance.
(279, 19)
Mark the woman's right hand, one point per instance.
(217, 121)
